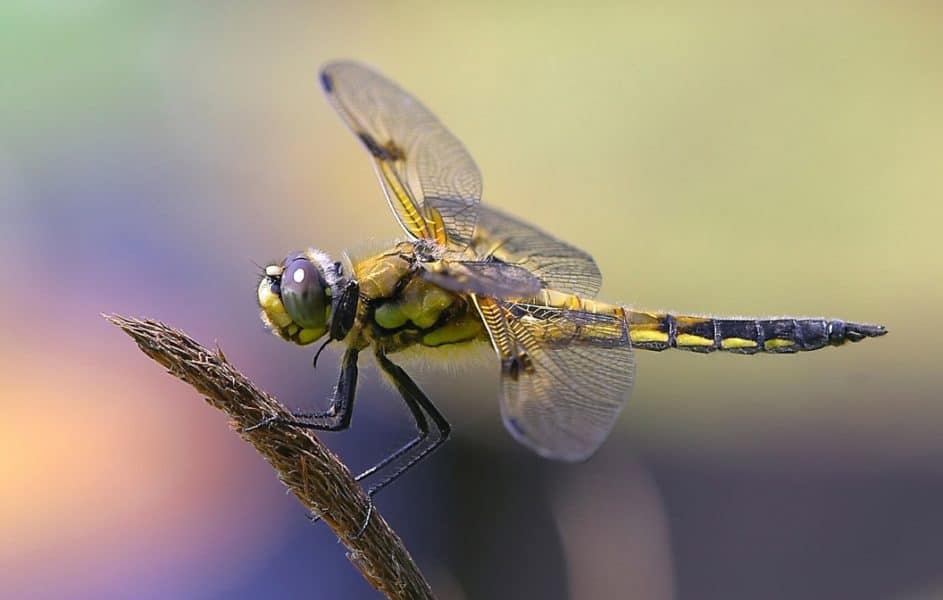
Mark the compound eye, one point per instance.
(304, 294)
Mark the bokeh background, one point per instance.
(740, 159)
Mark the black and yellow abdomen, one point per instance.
(660, 331)
(405, 310)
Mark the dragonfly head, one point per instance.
(296, 296)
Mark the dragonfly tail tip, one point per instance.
(857, 331)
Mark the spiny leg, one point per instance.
(337, 416)
(422, 426)
(420, 446)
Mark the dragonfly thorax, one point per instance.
(297, 295)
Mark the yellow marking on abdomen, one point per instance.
(736, 343)
(647, 335)
(686, 339)
(777, 343)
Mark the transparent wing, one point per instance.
(558, 265)
(485, 278)
(430, 180)
(565, 375)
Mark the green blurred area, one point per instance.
(734, 159)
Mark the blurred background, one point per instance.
(782, 159)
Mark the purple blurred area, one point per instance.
(738, 160)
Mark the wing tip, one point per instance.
(327, 82)
(575, 454)
(335, 67)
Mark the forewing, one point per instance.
(430, 180)
(565, 375)
(558, 265)
(484, 278)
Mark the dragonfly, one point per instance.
(467, 273)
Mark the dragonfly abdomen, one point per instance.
(782, 335)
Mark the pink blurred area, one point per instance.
(115, 480)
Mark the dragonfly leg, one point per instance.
(419, 447)
(422, 427)
(366, 520)
(337, 417)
